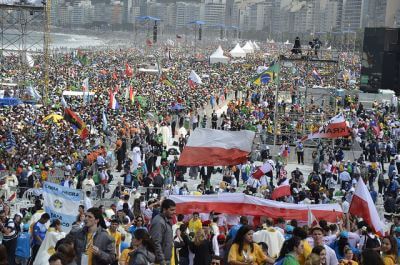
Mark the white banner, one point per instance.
(61, 203)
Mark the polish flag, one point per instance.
(312, 221)
(334, 128)
(194, 79)
(208, 147)
(317, 76)
(262, 170)
(362, 206)
(242, 204)
(128, 70)
(281, 191)
(12, 197)
(85, 85)
(113, 104)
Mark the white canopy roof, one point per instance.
(218, 56)
(238, 52)
(248, 47)
(255, 45)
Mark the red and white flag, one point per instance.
(128, 70)
(12, 197)
(85, 85)
(312, 221)
(208, 147)
(194, 79)
(282, 190)
(334, 128)
(265, 168)
(241, 204)
(362, 206)
(113, 103)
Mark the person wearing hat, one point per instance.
(341, 243)
(93, 245)
(396, 231)
(23, 250)
(317, 234)
(211, 236)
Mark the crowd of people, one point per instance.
(130, 154)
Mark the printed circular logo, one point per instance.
(57, 204)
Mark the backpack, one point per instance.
(371, 243)
(392, 186)
(349, 168)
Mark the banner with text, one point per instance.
(61, 203)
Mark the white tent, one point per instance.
(238, 52)
(255, 46)
(218, 56)
(248, 48)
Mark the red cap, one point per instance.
(206, 223)
(221, 237)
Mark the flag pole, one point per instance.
(276, 99)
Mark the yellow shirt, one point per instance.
(89, 240)
(124, 258)
(348, 262)
(307, 251)
(195, 225)
(389, 260)
(117, 240)
(257, 255)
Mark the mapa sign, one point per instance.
(61, 203)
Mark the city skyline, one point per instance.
(271, 16)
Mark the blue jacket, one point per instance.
(335, 247)
(23, 249)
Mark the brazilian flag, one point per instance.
(267, 76)
(167, 81)
(142, 101)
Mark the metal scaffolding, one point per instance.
(23, 27)
(300, 103)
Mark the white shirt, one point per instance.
(354, 239)
(344, 176)
(121, 204)
(329, 239)
(87, 203)
(345, 206)
(331, 258)
(88, 184)
(234, 182)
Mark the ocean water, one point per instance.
(61, 40)
(34, 41)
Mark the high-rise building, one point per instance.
(187, 12)
(126, 11)
(229, 12)
(65, 11)
(116, 13)
(102, 11)
(82, 12)
(332, 11)
(353, 11)
(392, 16)
(157, 10)
(170, 19)
(143, 7)
(214, 12)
